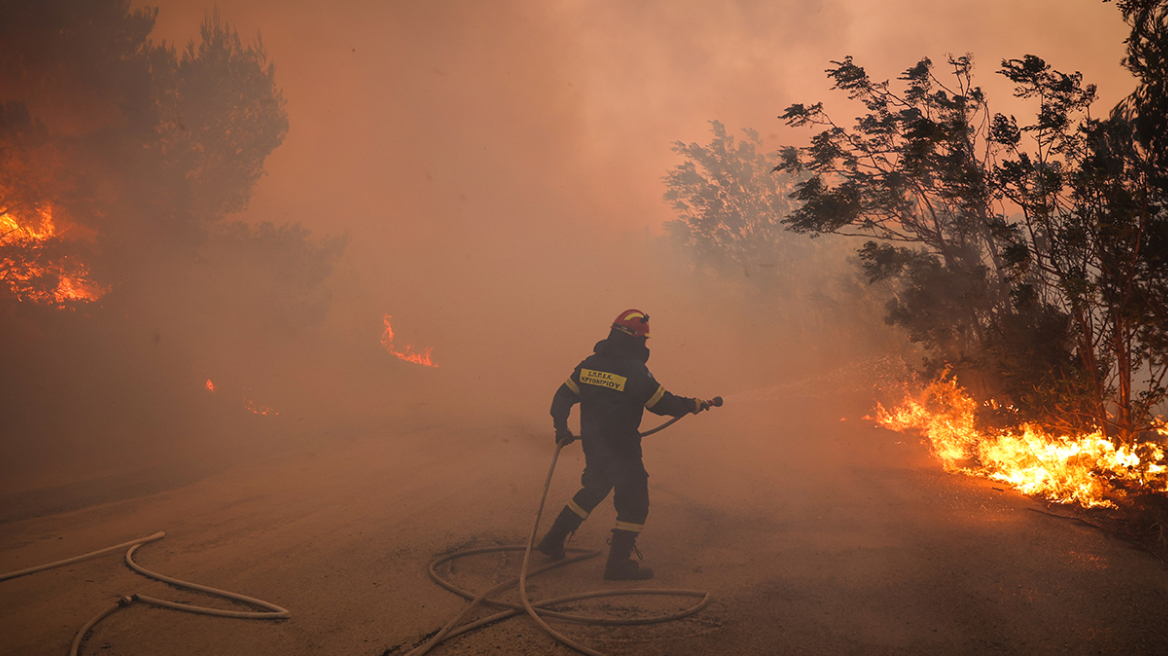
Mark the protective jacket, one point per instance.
(614, 388)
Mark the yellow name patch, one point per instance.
(603, 379)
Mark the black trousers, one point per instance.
(624, 474)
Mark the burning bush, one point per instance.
(38, 265)
(1030, 259)
(1087, 469)
(121, 160)
(1027, 257)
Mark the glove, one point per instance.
(564, 437)
(700, 405)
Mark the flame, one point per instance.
(409, 355)
(21, 240)
(210, 385)
(1089, 469)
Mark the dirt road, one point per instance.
(814, 536)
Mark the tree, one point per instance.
(1033, 247)
(220, 116)
(1147, 58)
(730, 206)
(140, 147)
(121, 162)
(1085, 202)
(1146, 112)
(913, 178)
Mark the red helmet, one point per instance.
(632, 322)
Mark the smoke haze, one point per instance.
(497, 165)
(494, 171)
(486, 179)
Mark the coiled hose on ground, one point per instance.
(539, 610)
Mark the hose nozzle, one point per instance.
(715, 402)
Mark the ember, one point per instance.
(248, 402)
(33, 276)
(257, 408)
(1088, 469)
(409, 355)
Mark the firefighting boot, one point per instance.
(552, 544)
(621, 567)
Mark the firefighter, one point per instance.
(613, 387)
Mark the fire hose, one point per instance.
(540, 610)
(274, 612)
(270, 612)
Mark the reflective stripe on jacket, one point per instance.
(613, 393)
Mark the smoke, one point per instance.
(139, 153)
(489, 174)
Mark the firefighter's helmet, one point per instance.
(632, 322)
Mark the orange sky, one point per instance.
(571, 106)
(499, 164)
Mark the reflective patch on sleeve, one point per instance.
(656, 397)
(603, 379)
(629, 526)
(575, 507)
(573, 386)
